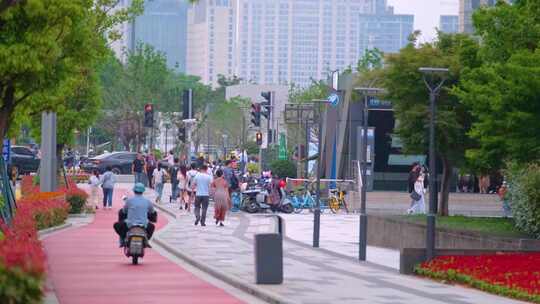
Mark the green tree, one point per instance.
(410, 99)
(503, 91)
(49, 48)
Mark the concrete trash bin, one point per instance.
(268, 258)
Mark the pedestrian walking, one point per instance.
(484, 183)
(222, 200)
(201, 182)
(503, 195)
(191, 186)
(107, 181)
(417, 195)
(413, 176)
(182, 186)
(151, 164)
(173, 173)
(94, 189)
(137, 168)
(159, 175)
(170, 158)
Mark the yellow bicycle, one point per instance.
(336, 200)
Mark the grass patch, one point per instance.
(503, 227)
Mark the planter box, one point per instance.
(394, 233)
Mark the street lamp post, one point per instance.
(317, 214)
(362, 241)
(167, 126)
(429, 72)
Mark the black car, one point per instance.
(23, 160)
(120, 162)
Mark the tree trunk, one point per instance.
(6, 111)
(4, 123)
(445, 187)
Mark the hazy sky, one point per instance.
(426, 13)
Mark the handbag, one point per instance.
(415, 196)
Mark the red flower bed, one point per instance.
(22, 259)
(515, 275)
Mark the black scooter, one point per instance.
(136, 238)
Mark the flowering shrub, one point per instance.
(515, 275)
(524, 195)
(76, 197)
(28, 186)
(22, 259)
(48, 208)
(79, 178)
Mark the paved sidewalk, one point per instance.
(311, 276)
(86, 266)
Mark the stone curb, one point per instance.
(264, 295)
(165, 210)
(44, 232)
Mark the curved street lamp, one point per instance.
(429, 73)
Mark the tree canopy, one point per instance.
(50, 49)
(503, 91)
(410, 99)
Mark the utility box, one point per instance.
(268, 258)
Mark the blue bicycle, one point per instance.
(236, 200)
(303, 199)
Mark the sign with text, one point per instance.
(6, 150)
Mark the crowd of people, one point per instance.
(192, 185)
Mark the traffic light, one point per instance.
(258, 138)
(266, 105)
(182, 134)
(148, 115)
(256, 114)
(187, 104)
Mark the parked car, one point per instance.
(120, 162)
(23, 161)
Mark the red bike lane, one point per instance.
(86, 266)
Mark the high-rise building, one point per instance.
(163, 25)
(384, 30)
(449, 24)
(282, 41)
(211, 34)
(466, 10)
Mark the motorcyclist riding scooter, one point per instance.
(134, 224)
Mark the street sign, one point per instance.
(6, 150)
(282, 147)
(333, 99)
(302, 112)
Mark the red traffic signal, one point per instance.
(258, 138)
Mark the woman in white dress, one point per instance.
(419, 206)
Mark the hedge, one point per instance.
(524, 197)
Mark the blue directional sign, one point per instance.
(333, 99)
(6, 149)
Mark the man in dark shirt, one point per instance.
(137, 168)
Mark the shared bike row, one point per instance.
(301, 199)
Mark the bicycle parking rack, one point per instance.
(269, 254)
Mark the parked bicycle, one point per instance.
(336, 200)
(303, 199)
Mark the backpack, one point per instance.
(234, 182)
(190, 177)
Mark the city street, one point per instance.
(86, 266)
(311, 275)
